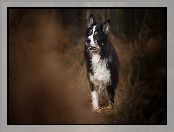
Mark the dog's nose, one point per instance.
(88, 41)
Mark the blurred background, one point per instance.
(47, 76)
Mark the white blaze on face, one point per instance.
(95, 100)
(91, 37)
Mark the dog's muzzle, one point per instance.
(95, 48)
(92, 48)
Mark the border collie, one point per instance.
(101, 62)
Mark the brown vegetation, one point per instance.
(47, 77)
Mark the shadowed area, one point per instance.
(47, 76)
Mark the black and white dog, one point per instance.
(101, 62)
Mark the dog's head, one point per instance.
(96, 36)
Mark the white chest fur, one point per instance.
(102, 75)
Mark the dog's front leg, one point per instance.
(95, 100)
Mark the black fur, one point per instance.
(106, 52)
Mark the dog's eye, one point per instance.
(96, 36)
(90, 32)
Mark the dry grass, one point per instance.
(48, 82)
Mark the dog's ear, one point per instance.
(106, 26)
(91, 20)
